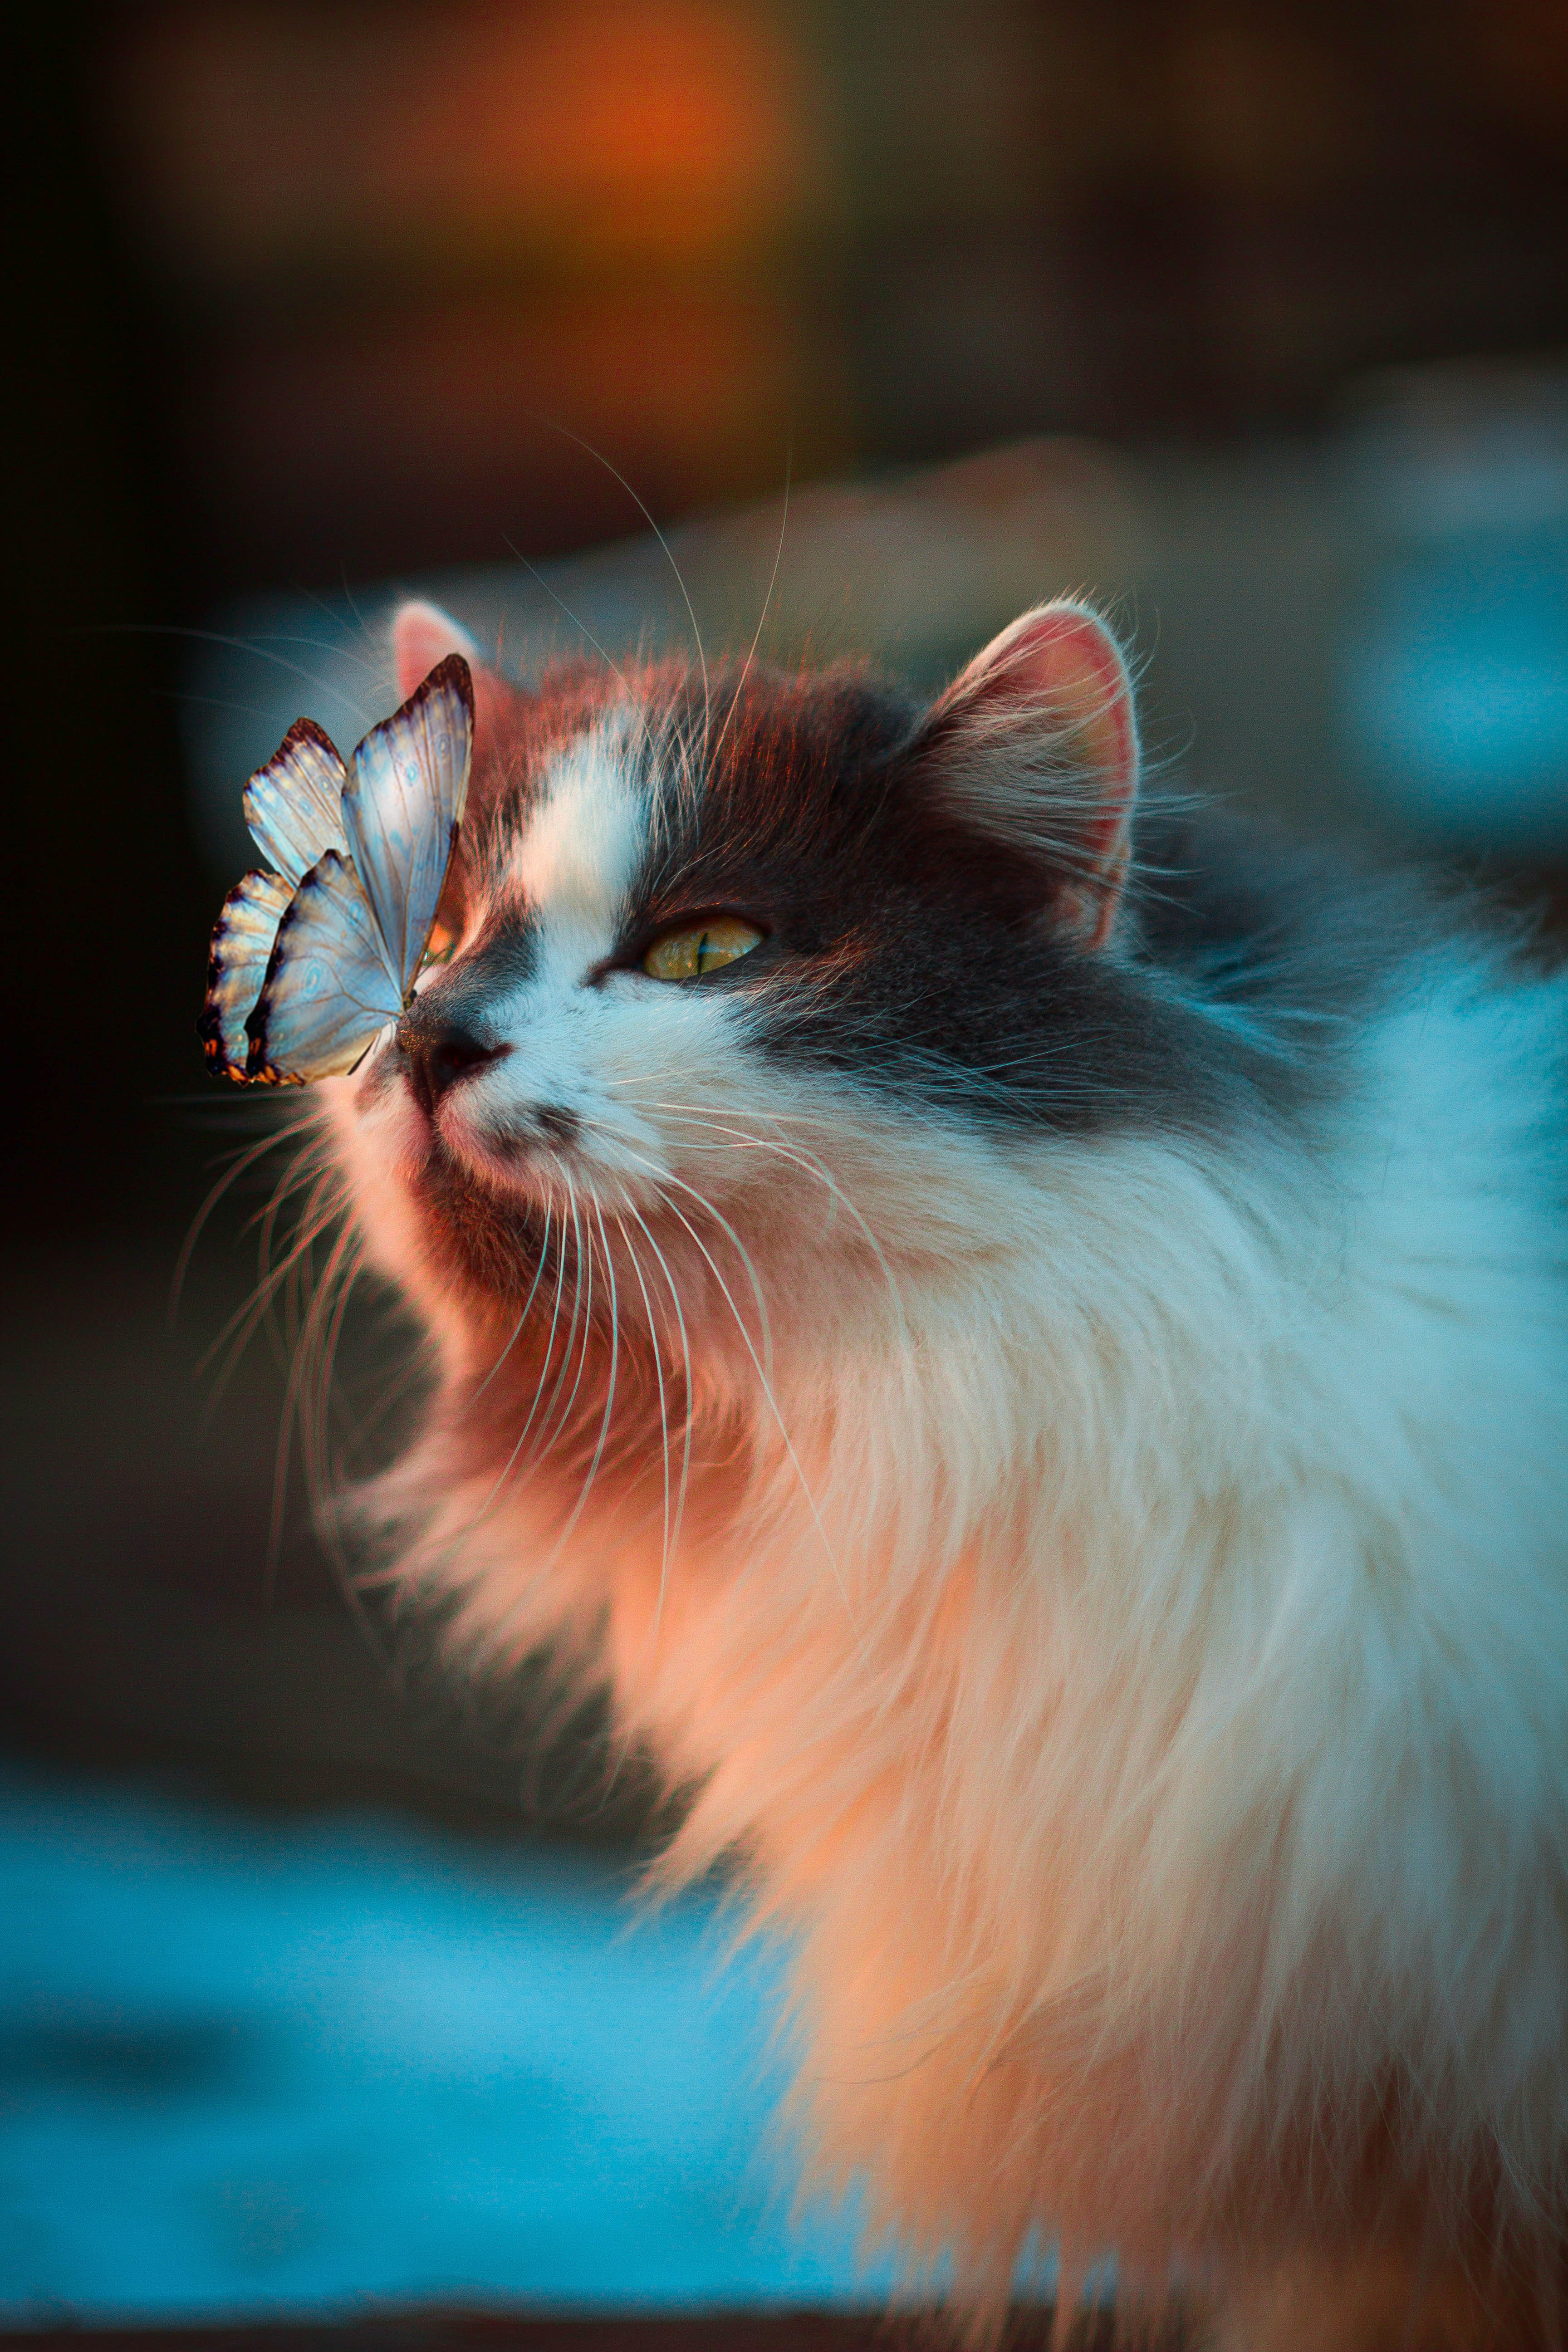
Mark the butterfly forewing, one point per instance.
(402, 806)
(242, 944)
(294, 805)
(330, 986)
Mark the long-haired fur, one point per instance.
(1087, 1523)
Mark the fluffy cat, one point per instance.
(1025, 1337)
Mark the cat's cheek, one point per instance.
(370, 1129)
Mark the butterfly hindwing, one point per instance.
(330, 987)
(310, 962)
(402, 807)
(242, 945)
(294, 804)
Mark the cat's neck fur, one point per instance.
(1111, 1828)
(1116, 1624)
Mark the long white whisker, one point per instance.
(256, 647)
(243, 1160)
(583, 1294)
(472, 1400)
(713, 758)
(581, 1503)
(765, 1323)
(298, 1373)
(796, 1155)
(686, 1428)
(521, 1439)
(757, 1364)
(241, 1326)
(616, 475)
(663, 1412)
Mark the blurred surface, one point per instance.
(1252, 321)
(260, 2065)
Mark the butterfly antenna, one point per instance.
(257, 647)
(576, 620)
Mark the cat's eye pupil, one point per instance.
(692, 948)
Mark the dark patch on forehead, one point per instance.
(915, 957)
(906, 952)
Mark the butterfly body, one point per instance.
(309, 963)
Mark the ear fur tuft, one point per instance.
(1036, 744)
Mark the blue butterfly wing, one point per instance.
(329, 988)
(402, 806)
(242, 945)
(294, 804)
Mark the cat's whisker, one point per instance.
(473, 1399)
(674, 1524)
(593, 1472)
(797, 1155)
(243, 1160)
(763, 1376)
(711, 761)
(521, 1439)
(254, 1311)
(299, 1372)
(642, 508)
(582, 1301)
(260, 648)
(658, 1384)
(318, 1358)
(764, 1324)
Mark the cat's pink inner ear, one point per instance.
(422, 636)
(1055, 681)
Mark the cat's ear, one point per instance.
(422, 636)
(1036, 745)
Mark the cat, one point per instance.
(1022, 1331)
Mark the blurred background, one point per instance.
(1250, 318)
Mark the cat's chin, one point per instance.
(483, 1235)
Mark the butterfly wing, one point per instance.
(402, 806)
(294, 804)
(330, 987)
(242, 944)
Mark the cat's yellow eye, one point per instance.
(696, 948)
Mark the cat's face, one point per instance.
(754, 985)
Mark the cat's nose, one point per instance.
(439, 1052)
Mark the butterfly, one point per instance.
(314, 955)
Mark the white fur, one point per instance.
(1119, 1608)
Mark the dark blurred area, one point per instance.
(1251, 318)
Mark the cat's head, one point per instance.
(754, 979)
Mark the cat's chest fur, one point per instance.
(1066, 1468)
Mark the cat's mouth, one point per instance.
(523, 1152)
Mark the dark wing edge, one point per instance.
(292, 802)
(242, 941)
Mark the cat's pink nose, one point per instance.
(438, 1053)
